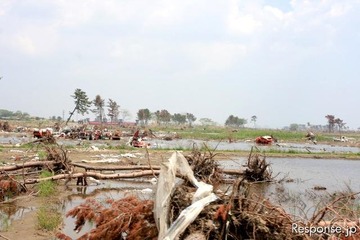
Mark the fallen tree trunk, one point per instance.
(95, 175)
(144, 167)
(28, 165)
(105, 168)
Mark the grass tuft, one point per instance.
(48, 217)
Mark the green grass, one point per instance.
(42, 155)
(4, 222)
(221, 133)
(48, 217)
(48, 187)
(177, 148)
(122, 146)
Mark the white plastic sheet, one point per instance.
(177, 164)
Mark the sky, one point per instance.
(282, 61)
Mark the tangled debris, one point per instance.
(5, 126)
(257, 168)
(204, 166)
(10, 188)
(127, 218)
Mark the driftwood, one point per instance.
(114, 168)
(94, 175)
(144, 171)
(144, 167)
(27, 165)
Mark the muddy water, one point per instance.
(102, 192)
(188, 144)
(297, 195)
(333, 174)
(246, 146)
(10, 213)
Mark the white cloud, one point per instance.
(242, 22)
(26, 44)
(339, 9)
(4, 6)
(214, 56)
(40, 40)
(165, 13)
(277, 13)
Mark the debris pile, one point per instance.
(5, 126)
(10, 188)
(127, 218)
(204, 166)
(257, 168)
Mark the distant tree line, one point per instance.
(6, 114)
(234, 121)
(334, 122)
(164, 117)
(161, 117)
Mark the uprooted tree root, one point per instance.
(204, 166)
(127, 218)
(238, 216)
(58, 154)
(10, 188)
(56, 162)
(257, 168)
(251, 217)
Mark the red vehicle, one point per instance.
(136, 141)
(265, 140)
(40, 133)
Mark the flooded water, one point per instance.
(297, 195)
(246, 146)
(106, 190)
(189, 143)
(334, 174)
(10, 213)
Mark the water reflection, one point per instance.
(11, 212)
(107, 190)
(297, 179)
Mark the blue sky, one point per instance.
(283, 61)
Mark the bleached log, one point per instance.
(106, 168)
(28, 165)
(143, 167)
(95, 175)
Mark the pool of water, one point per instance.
(11, 212)
(102, 192)
(246, 146)
(189, 143)
(296, 194)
